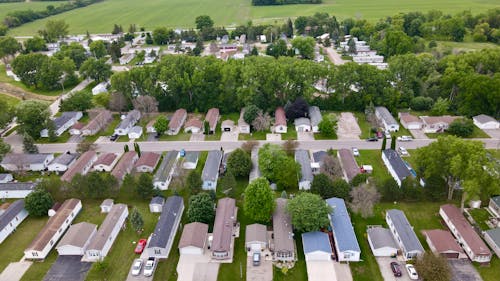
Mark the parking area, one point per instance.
(418, 134)
(262, 272)
(305, 136)
(385, 269)
(68, 268)
(229, 136)
(463, 270)
(321, 271)
(197, 267)
(197, 137)
(347, 127)
(273, 137)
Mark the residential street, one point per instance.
(229, 145)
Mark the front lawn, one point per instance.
(480, 216)
(10, 100)
(254, 135)
(476, 134)
(181, 136)
(110, 129)
(299, 271)
(490, 272)
(374, 158)
(63, 138)
(364, 125)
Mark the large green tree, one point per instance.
(54, 30)
(38, 202)
(6, 113)
(259, 200)
(9, 47)
(433, 267)
(277, 166)
(309, 212)
(305, 46)
(78, 101)
(144, 187)
(94, 185)
(201, 208)
(32, 117)
(95, 69)
(136, 220)
(462, 127)
(239, 163)
(461, 163)
(98, 49)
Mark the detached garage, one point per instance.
(381, 242)
(193, 239)
(317, 246)
(443, 243)
(255, 238)
(76, 240)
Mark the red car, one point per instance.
(140, 246)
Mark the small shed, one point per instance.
(381, 242)
(193, 239)
(156, 204)
(302, 124)
(191, 160)
(256, 239)
(483, 121)
(106, 205)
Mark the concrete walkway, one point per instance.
(15, 270)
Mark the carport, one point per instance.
(68, 268)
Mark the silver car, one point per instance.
(149, 267)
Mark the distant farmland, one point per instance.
(181, 13)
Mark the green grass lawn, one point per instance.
(477, 133)
(6, 79)
(108, 131)
(480, 216)
(363, 125)
(181, 136)
(299, 271)
(491, 272)
(10, 100)
(261, 135)
(63, 138)
(20, 240)
(374, 158)
(182, 13)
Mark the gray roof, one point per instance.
(302, 157)
(107, 226)
(25, 158)
(302, 121)
(3, 176)
(211, 169)
(78, 234)
(314, 115)
(397, 163)
(318, 156)
(348, 163)
(381, 237)
(316, 241)
(405, 231)
(494, 235)
(342, 228)
(166, 166)
(107, 203)
(223, 224)
(496, 199)
(136, 129)
(17, 186)
(164, 230)
(282, 227)
(12, 211)
(256, 232)
(192, 156)
(483, 118)
(386, 115)
(64, 118)
(131, 118)
(65, 159)
(157, 200)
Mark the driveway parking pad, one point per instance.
(347, 126)
(385, 269)
(463, 270)
(262, 272)
(68, 268)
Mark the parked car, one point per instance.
(372, 139)
(150, 266)
(412, 272)
(256, 259)
(113, 137)
(405, 138)
(355, 151)
(403, 151)
(387, 134)
(379, 135)
(136, 267)
(394, 267)
(140, 246)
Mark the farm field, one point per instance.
(181, 13)
(6, 8)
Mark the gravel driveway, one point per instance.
(347, 126)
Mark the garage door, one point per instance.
(450, 255)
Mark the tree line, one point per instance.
(283, 2)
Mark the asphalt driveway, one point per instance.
(463, 270)
(262, 272)
(68, 268)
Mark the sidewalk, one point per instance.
(15, 270)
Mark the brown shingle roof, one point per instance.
(106, 159)
(212, 117)
(53, 225)
(194, 122)
(77, 235)
(443, 241)
(78, 126)
(177, 118)
(279, 117)
(256, 232)
(78, 166)
(149, 159)
(463, 227)
(125, 165)
(408, 118)
(194, 234)
(348, 163)
(282, 227)
(430, 120)
(223, 225)
(100, 121)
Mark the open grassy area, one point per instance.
(480, 216)
(182, 13)
(363, 125)
(491, 272)
(63, 138)
(374, 158)
(477, 133)
(7, 79)
(10, 100)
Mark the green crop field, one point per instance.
(181, 13)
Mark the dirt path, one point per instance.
(19, 93)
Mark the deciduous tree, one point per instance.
(95, 69)
(462, 127)
(239, 163)
(136, 220)
(32, 117)
(331, 167)
(201, 208)
(145, 104)
(78, 101)
(309, 212)
(364, 197)
(433, 267)
(262, 122)
(145, 188)
(259, 200)
(98, 49)
(194, 182)
(161, 125)
(38, 202)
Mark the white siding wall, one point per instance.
(9, 194)
(280, 129)
(318, 256)
(17, 220)
(191, 250)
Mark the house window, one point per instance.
(35, 254)
(60, 229)
(157, 251)
(51, 242)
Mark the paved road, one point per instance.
(54, 107)
(334, 56)
(229, 145)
